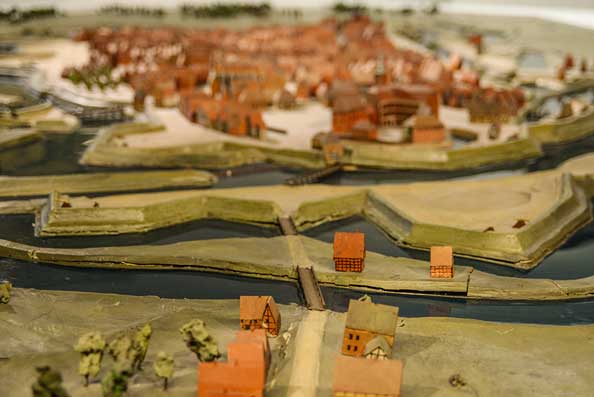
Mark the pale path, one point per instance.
(306, 363)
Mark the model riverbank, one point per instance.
(40, 327)
(277, 258)
(103, 182)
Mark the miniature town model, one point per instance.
(227, 199)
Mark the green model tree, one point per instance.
(48, 384)
(115, 382)
(91, 347)
(140, 345)
(199, 341)
(5, 288)
(122, 352)
(163, 367)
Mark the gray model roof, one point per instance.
(372, 317)
(381, 342)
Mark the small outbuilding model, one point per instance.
(259, 312)
(369, 378)
(244, 373)
(366, 325)
(428, 129)
(442, 262)
(349, 252)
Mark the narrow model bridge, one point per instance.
(314, 299)
(314, 177)
(287, 226)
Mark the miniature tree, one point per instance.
(91, 347)
(115, 382)
(163, 367)
(140, 345)
(199, 341)
(5, 288)
(120, 349)
(48, 384)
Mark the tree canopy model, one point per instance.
(115, 382)
(140, 345)
(91, 347)
(48, 384)
(5, 288)
(163, 367)
(122, 351)
(199, 341)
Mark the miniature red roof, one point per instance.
(349, 245)
(252, 307)
(442, 256)
(367, 377)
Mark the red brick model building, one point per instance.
(259, 312)
(349, 251)
(348, 112)
(442, 262)
(369, 378)
(244, 373)
(428, 129)
(225, 115)
(365, 322)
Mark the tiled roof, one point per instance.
(349, 245)
(372, 377)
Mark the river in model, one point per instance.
(59, 155)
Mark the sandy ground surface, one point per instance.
(301, 125)
(494, 359)
(51, 56)
(40, 327)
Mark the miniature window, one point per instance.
(348, 347)
(356, 347)
(357, 337)
(350, 336)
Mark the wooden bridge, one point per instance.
(287, 226)
(314, 299)
(314, 177)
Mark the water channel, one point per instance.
(60, 155)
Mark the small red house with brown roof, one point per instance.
(369, 378)
(428, 129)
(442, 262)
(244, 373)
(349, 251)
(259, 312)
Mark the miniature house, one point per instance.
(244, 373)
(365, 322)
(442, 262)
(428, 129)
(369, 378)
(349, 252)
(259, 312)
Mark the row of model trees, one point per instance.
(128, 354)
(225, 10)
(92, 76)
(16, 15)
(118, 9)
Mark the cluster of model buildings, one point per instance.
(224, 78)
(248, 356)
